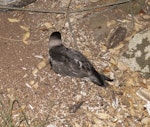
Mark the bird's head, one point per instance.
(55, 39)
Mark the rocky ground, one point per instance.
(32, 95)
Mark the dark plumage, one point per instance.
(69, 62)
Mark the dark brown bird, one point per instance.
(69, 62)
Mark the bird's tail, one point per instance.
(100, 79)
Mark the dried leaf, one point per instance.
(36, 85)
(48, 25)
(106, 70)
(146, 17)
(78, 6)
(116, 49)
(35, 71)
(144, 85)
(25, 37)
(87, 53)
(24, 28)
(146, 121)
(78, 97)
(93, 0)
(96, 117)
(41, 65)
(111, 23)
(23, 107)
(113, 61)
(20, 109)
(144, 94)
(76, 125)
(32, 82)
(130, 82)
(103, 116)
(13, 20)
(25, 75)
(97, 122)
(11, 94)
(138, 26)
(122, 66)
(104, 48)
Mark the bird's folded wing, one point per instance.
(76, 64)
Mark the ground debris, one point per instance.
(75, 107)
(116, 36)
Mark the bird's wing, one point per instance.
(70, 62)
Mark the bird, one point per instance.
(70, 62)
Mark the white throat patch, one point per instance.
(54, 42)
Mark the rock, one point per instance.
(137, 57)
(16, 3)
(136, 6)
(98, 23)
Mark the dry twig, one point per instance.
(70, 26)
(62, 11)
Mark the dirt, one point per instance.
(46, 98)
